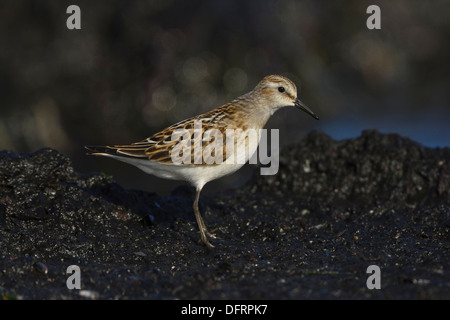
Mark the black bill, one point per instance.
(302, 106)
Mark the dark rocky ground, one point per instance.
(311, 231)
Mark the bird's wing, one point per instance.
(184, 138)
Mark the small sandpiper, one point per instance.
(164, 153)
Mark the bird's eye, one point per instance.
(281, 89)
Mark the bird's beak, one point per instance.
(300, 105)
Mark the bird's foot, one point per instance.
(211, 235)
(205, 239)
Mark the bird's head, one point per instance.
(280, 92)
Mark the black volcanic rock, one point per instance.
(374, 168)
(310, 231)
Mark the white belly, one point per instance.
(244, 147)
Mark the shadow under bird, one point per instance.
(251, 111)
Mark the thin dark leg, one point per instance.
(209, 234)
(200, 222)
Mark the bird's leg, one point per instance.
(200, 222)
(203, 225)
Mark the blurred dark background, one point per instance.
(136, 67)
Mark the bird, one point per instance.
(179, 151)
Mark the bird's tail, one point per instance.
(100, 150)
